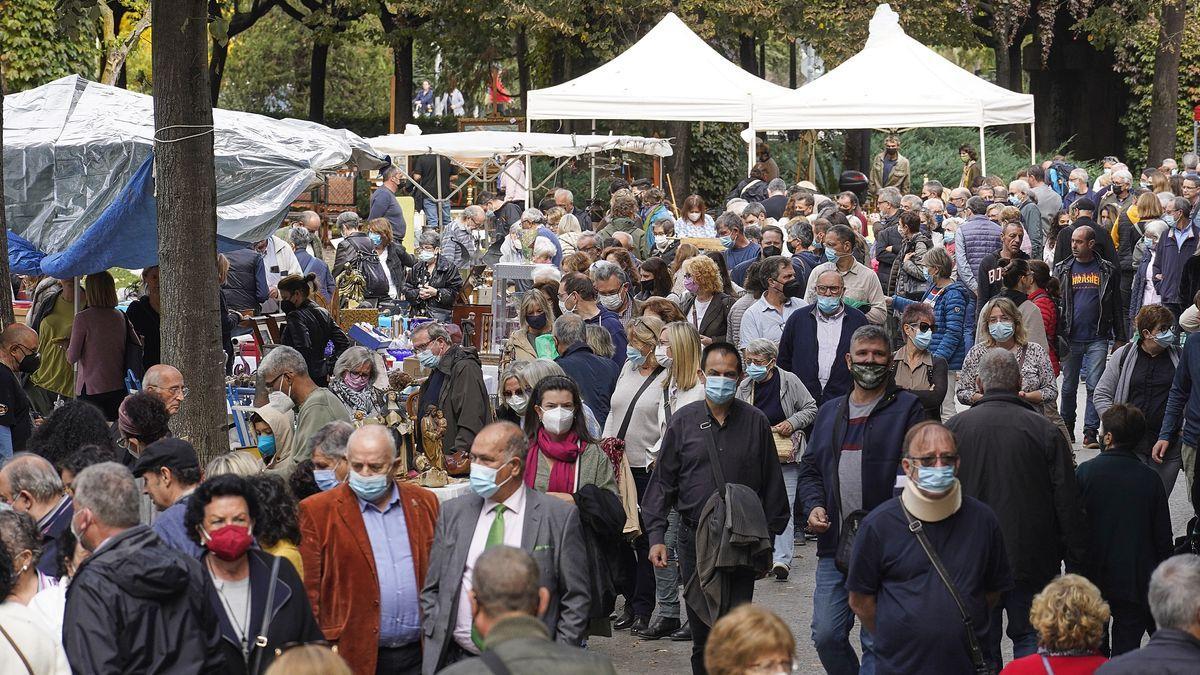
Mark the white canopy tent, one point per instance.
(477, 150)
(924, 90)
(670, 74)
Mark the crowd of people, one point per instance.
(688, 396)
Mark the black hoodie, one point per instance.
(136, 605)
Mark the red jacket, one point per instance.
(1062, 665)
(1050, 318)
(339, 567)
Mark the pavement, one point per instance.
(792, 601)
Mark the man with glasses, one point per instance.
(19, 352)
(848, 469)
(958, 200)
(1175, 249)
(283, 369)
(907, 612)
(861, 286)
(1191, 192)
(1016, 461)
(823, 327)
(166, 383)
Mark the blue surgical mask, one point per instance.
(727, 241)
(922, 339)
(928, 276)
(634, 356)
(719, 389)
(1148, 243)
(935, 479)
(326, 479)
(266, 446)
(938, 218)
(756, 372)
(1169, 219)
(1014, 200)
(1001, 330)
(428, 359)
(376, 239)
(483, 480)
(830, 254)
(1166, 339)
(369, 488)
(828, 305)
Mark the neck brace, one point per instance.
(928, 509)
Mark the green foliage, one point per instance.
(718, 157)
(34, 48)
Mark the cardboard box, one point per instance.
(368, 336)
(414, 368)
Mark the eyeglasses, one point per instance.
(921, 326)
(829, 290)
(179, 391)
(944, 460)
(759, 360)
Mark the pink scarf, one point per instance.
(564, 453)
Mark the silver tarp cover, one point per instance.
(71, 145)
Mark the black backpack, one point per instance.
(368, 265)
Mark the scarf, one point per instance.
(564, 453)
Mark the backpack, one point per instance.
(1058, 176)
(368, 265)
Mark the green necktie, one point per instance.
(495, 537)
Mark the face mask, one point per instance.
(868, 375)
(756, 372)
(794, 289)
(1108, 169)
(611, 301)
(694, 216)
(1014, 200)
(536, 321)
(558, 420)
(326, 479)
(376, 239)
(1145, 185)
(922, 339)
(662, 243)
(266, 446)
(691, 286)
(928, 276)
(229, 542)
(727, 241)
(1118, 189)
(428, 359)
(426, 256)
(518, 403)
(1148, 243)
(830, 254)
(634, 356)
(1165, 339)
(935, 479)
(369, 488)
(719, 389)
(660, 355)
(828, 305)
(483, 480)
(1001, 330)
(355, 381)
(769, 251)
(1169, 219)
(30, 364)
(892, 152)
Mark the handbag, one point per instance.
(260, 642)
(20, 654)
(979, 664)
(848, 528)
(614, 444)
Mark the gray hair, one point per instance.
(473, 211)
(754, 209)
(802, 230)
(934, 202)
(282, 359)
(960, 193)
(532, 215)
(389, 171)
(603, 270)
(32, 473)
(999, 372)
(348, 219)
(380, 432)
(19, 532)
(939, 259)
(537, 370)
(912, 202)
(568, 223)
(433, 330)
(429, 238)
(353, 358)
(331, 439)
(568, 330)
(1122, 173)
(1018, 185)
(599, 340)
(300, 237)
(109, 491)
(1191, 161)
(1155, 228)
(1175, 592)
(543, 273)
(506, 581)
(1078, 174)
(763, 347)
(890, 195)
(777, 185)
(1165, 199)
(870, 333)
(547, 250)
(563, 192)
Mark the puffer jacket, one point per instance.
(445, 277)
(953, 320)
(1049, 311)
(139, 606)
(309, 329)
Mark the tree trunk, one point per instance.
(402, 71)
(523, 66)
(746, 56)
(6, 298)
(316, 79)
(792, 63)
(762, 58)
(558, 62)
(679, 166)
(187, 221)
(216, 69)
(1164, 107)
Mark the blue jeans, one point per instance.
(831, 624)
(430, 207)
(785, 544)
(1088, 357)
(1015, 604)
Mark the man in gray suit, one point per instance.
(501, 512)
(506, 602)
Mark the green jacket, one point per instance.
(634, 229)
(320, 408)
(594, 469)
(524, 646)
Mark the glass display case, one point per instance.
(507, 289)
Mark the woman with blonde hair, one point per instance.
(1071, 622)
(535, 315)
(237, 462)
(705, 305)
(568, 232)
(308, 659)
(749, 640)
(97, 345)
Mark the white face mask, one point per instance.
(558, 420)
(694, 216)
(612, 301)
(660, 355)
(518, 403)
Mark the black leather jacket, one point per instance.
(309, 328)
(445, 278)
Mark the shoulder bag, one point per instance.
(979, 664)
(260, 642)
(848, 529)
(20, 654)
(616, 444)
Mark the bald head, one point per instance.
(500, 441)
(16, 342)
(166, 384)
(373, 440)
(310, 220)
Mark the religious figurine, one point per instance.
(433, 431)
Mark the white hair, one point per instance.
(934, 202)
(1018, 185)
(736, 206)
(1173, 597)
(565, 193)
(543, 273)
(1079, 174)
(1165, 198)
(1122, 173)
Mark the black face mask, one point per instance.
(30, 364)
(287, 306)
(794, 289)
(536, 321)
(647, 286)
(769, 251)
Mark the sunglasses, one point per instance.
(922, 326)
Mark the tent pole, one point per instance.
(528, 167)
(75, 283)
(982, 155)
(593, 155)
(751, 149)
(1032, 143)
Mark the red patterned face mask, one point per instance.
(229, 542)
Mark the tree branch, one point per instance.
(118, 53)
